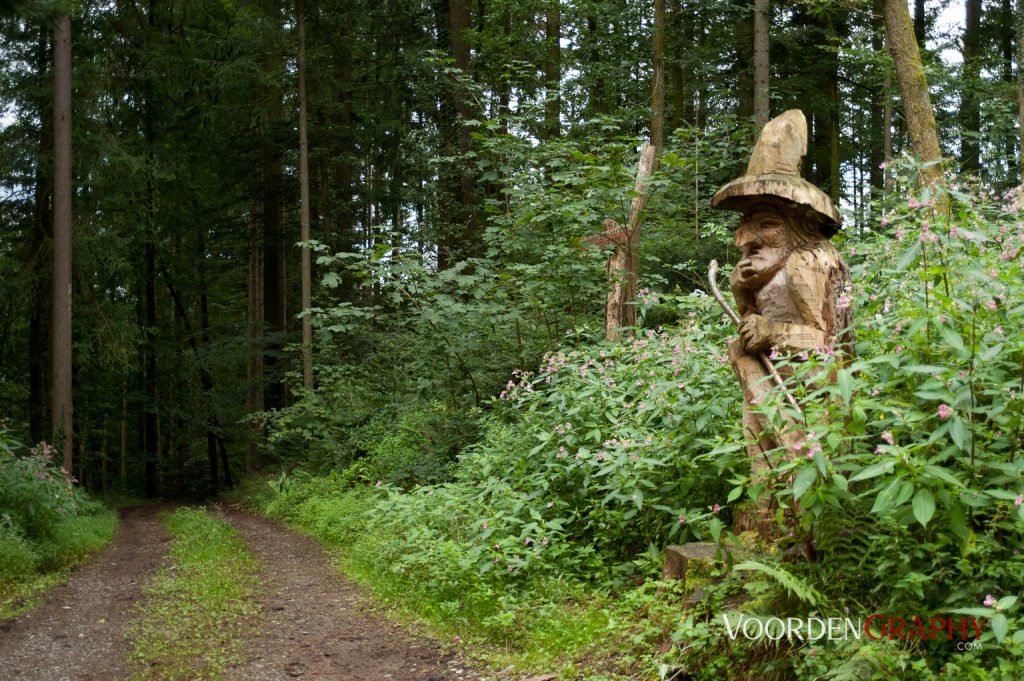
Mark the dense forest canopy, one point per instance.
(453, 146)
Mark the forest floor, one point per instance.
(311, 623)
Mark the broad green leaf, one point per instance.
(715, 528)
(909, 256)
(942, 474)
(845, 380)
(952, 338)
(959, 432)
(873, 471)
(807, 476)
(1000, 626)
(924, 506)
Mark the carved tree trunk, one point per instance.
(623, 264)
(917, 106)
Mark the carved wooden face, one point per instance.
(764, 237)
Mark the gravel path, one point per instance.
(78, 633)
(316, 625)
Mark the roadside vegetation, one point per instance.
(542, 529)
(47, 524)
(191, 623)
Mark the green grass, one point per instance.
(28, 569)
(197, 608)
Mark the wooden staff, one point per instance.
(768, 364)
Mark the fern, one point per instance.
(792, 584)
(860, 666)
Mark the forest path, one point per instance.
(316, 625)
(78, 633)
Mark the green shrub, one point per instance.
(46, 524)
(17, 556)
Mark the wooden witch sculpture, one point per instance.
(791, 285)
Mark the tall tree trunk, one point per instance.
(970, 107)
(459, 23)
(876, 154)
(762, 104)
(745, 79)
(150, 422)
(254, 366)
(679, 38)
(1020, 85)
(273, 231)
(920, 24)
(60, 350)
(917, 105)
(658, 77)
(1006, 43)
(39, 262)
(597, 98)
(553, 69)
(307, 265)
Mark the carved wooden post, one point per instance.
(791, 286)
(624, 262)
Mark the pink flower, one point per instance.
(989, 601)
(682, 519)
(887, 436)
(716, 508)
(944, 411)
(990, 304)
(1019, 500)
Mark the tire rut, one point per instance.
(316, 625)
(78, 633)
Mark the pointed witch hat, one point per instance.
(774, 171)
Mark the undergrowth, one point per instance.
(47, 525)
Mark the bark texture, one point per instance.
(60, 352)
(917, 105)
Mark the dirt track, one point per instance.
(78, 633)
(312, 625)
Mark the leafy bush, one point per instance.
(46, 523)
(17, 556)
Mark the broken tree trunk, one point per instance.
(624, 262)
